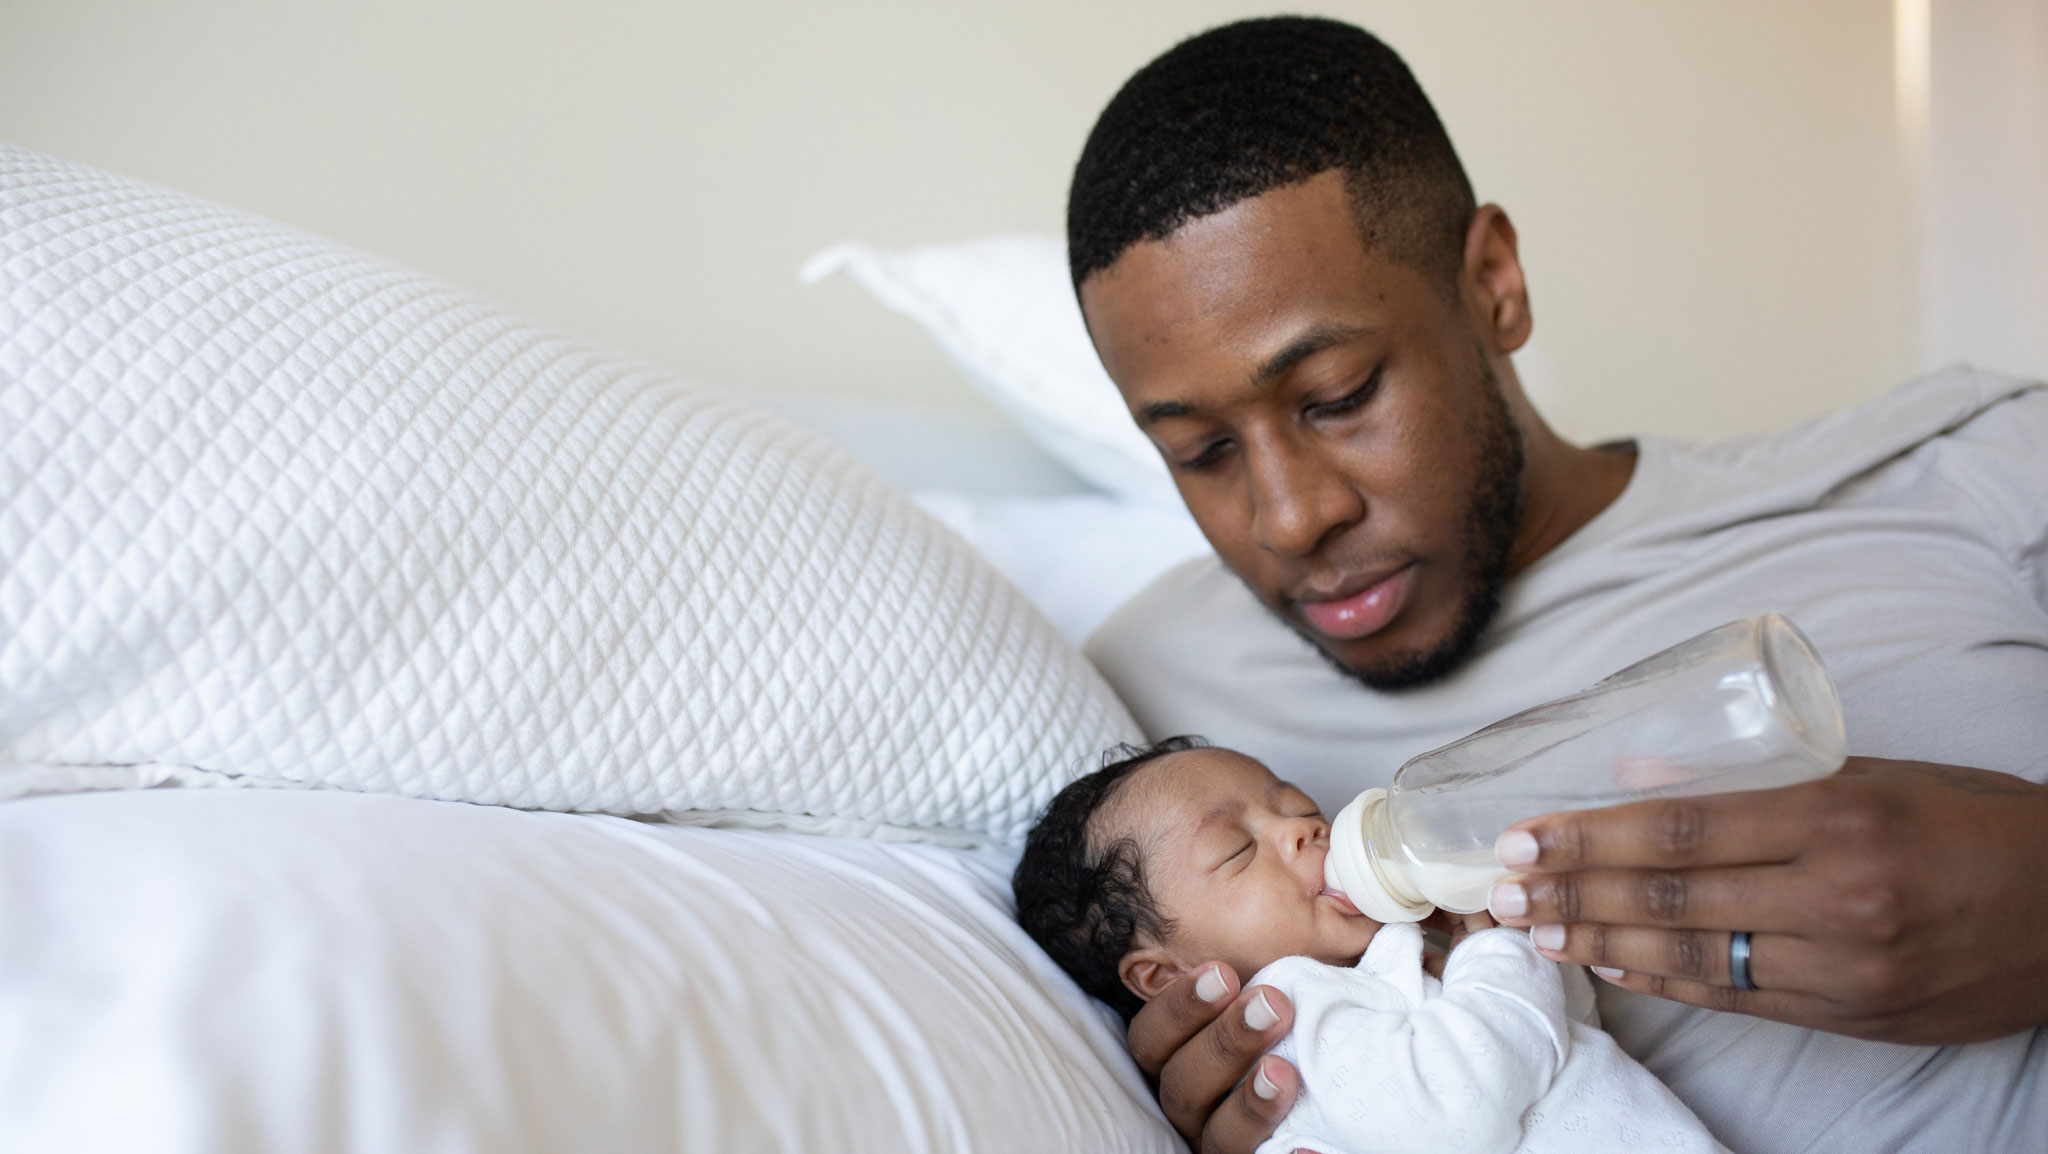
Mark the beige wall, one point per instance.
(1710, 195)
(1983, 185)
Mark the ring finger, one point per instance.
(1775, 960)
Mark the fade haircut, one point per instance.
(1241, 110)
(1088, 905)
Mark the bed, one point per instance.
(420, 730)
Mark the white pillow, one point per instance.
(1003, 308)
(354, 974)
(1079, 556)
(272, 510)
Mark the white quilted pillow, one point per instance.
(279, 512)
(1003, 309)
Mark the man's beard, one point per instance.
(1489, 534)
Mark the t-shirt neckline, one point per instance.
(1644, 482)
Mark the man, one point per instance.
(1283, 268)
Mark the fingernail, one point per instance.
(1547, 937)
(1516, 847)
(1263, 1086)
(1258, 1013)
(1610, 975)
(1210, 987)
(1508, 900)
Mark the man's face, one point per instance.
(1331, 419)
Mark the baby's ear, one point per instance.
(1148, 970)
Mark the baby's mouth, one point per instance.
(1337, 896)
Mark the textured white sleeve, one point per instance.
(1453, 1074)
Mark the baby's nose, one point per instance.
(1303, 835)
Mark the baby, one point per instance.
(1181, 854)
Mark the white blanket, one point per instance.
(285, 970)
(1493, 1059)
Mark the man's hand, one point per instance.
(1198, 1039)
(1896, 900)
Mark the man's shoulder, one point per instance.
(1994, 462)
(1944, 411)
(1161, 644)
(1920, 410)
(1710, 485)
(1199, 581)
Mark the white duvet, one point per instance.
(209, 971)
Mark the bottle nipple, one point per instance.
(1363, 871)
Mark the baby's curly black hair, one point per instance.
(1088, 905)
(1249, 107)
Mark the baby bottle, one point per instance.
(1744, 706)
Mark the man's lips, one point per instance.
(1363, 613)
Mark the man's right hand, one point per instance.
(1198, 1040)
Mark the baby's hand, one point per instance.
(1464, 925)
(1456, 927)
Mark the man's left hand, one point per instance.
(1895, 900)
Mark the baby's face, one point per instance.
(1234, 858)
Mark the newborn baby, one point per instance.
(1183, 854)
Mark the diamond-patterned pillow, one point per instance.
(279, 512)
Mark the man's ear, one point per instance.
(1148, 970)
(1496, 295)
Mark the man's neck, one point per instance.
(1563, 488)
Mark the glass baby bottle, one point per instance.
(1744, 706)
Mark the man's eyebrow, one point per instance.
(1308, 343)
(1317, 338)
(1161, 410)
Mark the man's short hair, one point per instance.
(1089, 905)
(1250, 107)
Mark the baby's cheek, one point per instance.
(1255, 926)
(1260, 932)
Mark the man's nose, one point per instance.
(1298, 499)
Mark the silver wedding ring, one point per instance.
(1738, 960)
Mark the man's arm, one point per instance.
(1896, 900)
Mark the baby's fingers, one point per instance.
(1474, 922)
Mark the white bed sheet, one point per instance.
(322, 971)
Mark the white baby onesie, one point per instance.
(1487, 1061)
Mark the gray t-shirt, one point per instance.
(1908, 537)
